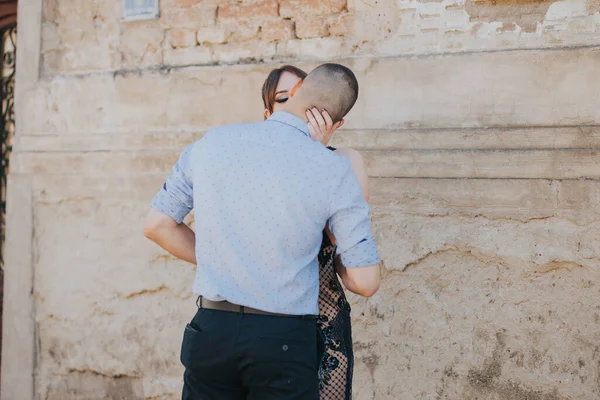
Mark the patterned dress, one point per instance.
(334, 323)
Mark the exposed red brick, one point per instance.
(241, 31)
(182, 37)
(294, 8)
(341, 25)
(248, 10)
(277, 30)
(308, 27)
(190, 17)
(524, 13)
(507, 27)
(179, 3)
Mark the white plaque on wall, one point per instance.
(139, 10)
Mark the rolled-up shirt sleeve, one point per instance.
(350, 222)
(175, 197)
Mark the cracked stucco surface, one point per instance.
(479, 123)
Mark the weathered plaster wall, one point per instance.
(480, 125)
(87, 36)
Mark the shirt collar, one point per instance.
(291, 120)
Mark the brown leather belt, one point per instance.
(201, 302)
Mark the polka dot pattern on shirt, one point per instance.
(262, 194)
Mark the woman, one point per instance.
(336, 365)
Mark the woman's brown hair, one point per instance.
(269, 88)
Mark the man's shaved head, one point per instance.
(332, 87)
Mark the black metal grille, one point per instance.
(8, 41)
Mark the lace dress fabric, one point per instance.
(337, 362)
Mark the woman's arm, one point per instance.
(357, 279)
(363, 281)
(358, 166)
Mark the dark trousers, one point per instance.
(236, 356)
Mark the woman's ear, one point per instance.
(267, 113)
(295, 88)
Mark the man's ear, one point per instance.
(267, 113)
(339, 124)
(295, 88)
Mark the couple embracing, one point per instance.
(279, 216)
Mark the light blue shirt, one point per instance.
(262, 194)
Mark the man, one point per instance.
(263, 194)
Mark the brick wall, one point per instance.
(87, 36)
(80, 37)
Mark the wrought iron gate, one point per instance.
(8, 41)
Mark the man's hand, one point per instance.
(177, 239)
(321, 126)
(363, 280)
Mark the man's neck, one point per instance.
(299, 110)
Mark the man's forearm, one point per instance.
(179, 240)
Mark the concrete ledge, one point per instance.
(522, 164)
(518, 138)
(520, 88)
